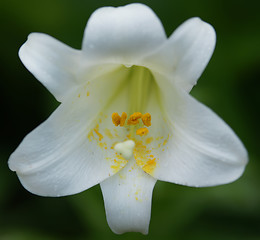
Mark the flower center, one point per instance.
(133, 146)
(133, 121)
(128, 135)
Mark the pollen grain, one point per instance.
(142, 131)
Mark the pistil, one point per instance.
(125, 148)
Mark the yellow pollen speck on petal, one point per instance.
(101, 144)
(128, 136)
(116, 118)
(87, 93)
(142, 131)
(123, 118)
(149, 140)
(96, 130)
(108, 133)
(115, 132)
(150, 166)
(99, 135)
(166, 140)
(144, 158)
(118, 164)
(133, 119)
(115, 168)
(79, 95)
(146, 118)
(122, 176)
(90, 136)
(113, 145)
(119, 156)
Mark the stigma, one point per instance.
(125, 148)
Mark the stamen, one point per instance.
(142, 131)
(123, 118)
(133, 119)
(116, 119)
(146, 118)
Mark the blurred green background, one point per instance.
(229, 85)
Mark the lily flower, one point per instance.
(126, 118)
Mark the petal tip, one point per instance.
(11, 165)
(119, 232)
(199, 23)
(23, 50)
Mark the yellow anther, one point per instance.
(146, 118)
(133, 119)
(123, 118)
(116, 119)
(142, 131)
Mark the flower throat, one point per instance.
(140, 82)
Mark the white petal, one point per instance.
(186, 53)
(53, 63)
(65, 155)
(127, 196)
(203, 150)
(123, 34)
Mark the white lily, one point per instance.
(126, 65)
